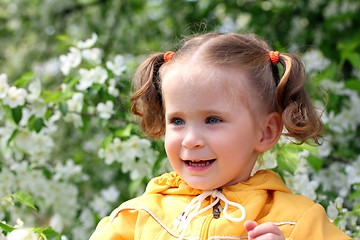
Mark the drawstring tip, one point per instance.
(178, 220)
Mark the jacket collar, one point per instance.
(173, 184)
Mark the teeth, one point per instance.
(200, 163)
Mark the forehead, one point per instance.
(198, 78)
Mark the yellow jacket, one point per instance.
(265, 198)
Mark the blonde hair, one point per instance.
(248, 53)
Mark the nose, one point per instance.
(193, 139)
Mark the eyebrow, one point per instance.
(204, 112)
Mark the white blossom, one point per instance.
(325, 148)
(326, 177)
(314, 60)
(86, 80)
(63, 87)
(88, 77)
(37, 145)
(332, 211)
(100, 205)
(353, 172)
(6, 132)
(92, 55)
(6, 177)
(112, 90)
(135, 155)
(19, 223)
(23, 139)
(38, 107)
(34, 90)
(4, 86)
(268, 161)
(301, 182)
(118, 66)
(75, 104)
(69, 61)
(74, 118)
(67, 171)
(105, 110)
(110, 194)
(51, 126)
(22, 234)
(26, 114)
(56, 222)
(15, 97)
(100, 74)
(88, 43)
(115, 151)
(137, 146)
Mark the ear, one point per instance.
(271, 129)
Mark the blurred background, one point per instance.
(78, 151)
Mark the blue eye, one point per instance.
(213, 120)
(177, 121)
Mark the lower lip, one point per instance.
(200, 166)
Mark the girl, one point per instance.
(220, 103)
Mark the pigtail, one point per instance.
(147, 100)
(299, 116)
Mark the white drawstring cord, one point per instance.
(193, 209)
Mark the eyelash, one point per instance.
(176, 121)
(208, 120)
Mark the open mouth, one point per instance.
(203, 163)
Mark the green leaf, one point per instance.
(25, 199)
(353, 84)
(6, 228)
(96, 87)
(72, 83)
(354, 195)
(63, 107)
(16, 114)
(24, 80)
(310, 148)
(107, 140)
(125, 132)
(315, 162)
(62, 38)
(48, 114)
(354, 59)
(288, 161)
(85, 120)
(13, 135)
(53, 97)
(36, 124)
(50, 234)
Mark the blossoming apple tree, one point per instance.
(71, 151)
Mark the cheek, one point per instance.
(170, 142)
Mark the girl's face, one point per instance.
(211, 136)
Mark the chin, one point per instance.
(201, 185)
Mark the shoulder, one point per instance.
(164, 196)
(277, 201)
(316, 216)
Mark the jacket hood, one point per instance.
(173, 184)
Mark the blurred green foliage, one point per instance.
(33, 33)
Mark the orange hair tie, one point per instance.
(168, 55)
(274, 56)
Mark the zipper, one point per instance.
(217, 209)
